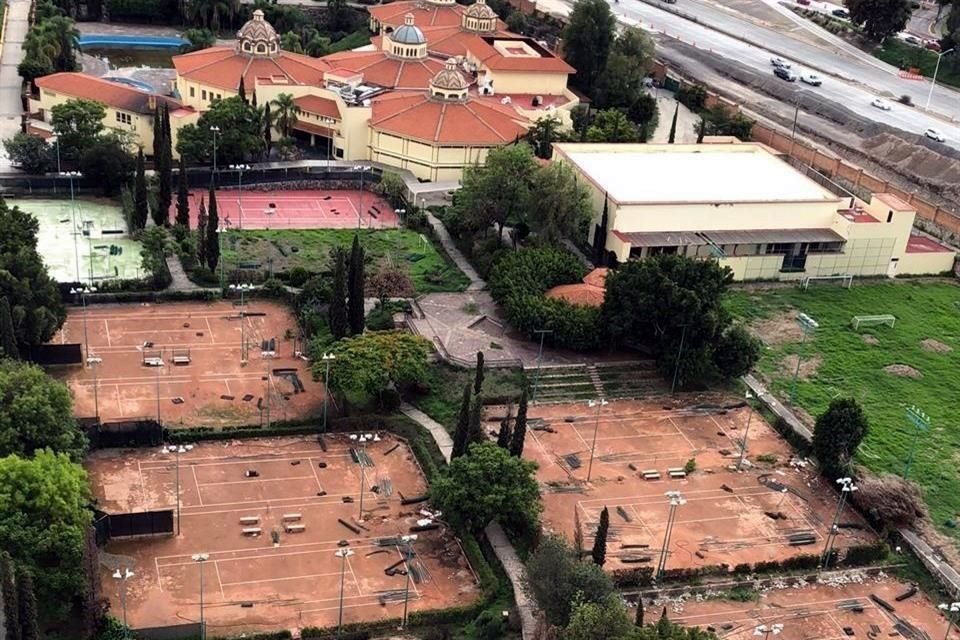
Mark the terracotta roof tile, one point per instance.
(416, 115)
(318, 105)
(221, 67)
(425, 15)
(453, 41)
(393, 73)
(579, 294)
(482, 48)
(112, 94)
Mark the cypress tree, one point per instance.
(164, 166)
(29, 629)
(356, 285)
(267, 128)
(673, 125)
(599, 552)
(91, 606)
(140, 194)
(663, 626)
(503, 438)
(638, 621)
(478, 377)
(253, 97)
(157, 134)
(242, 90)
(183, 193)
(519, 427)
(8, 590)
(600, 236)
(475, 430)
(8, 335)
(339, 325)
(577, 534)
(461, 436)
(202, 233)
(213, 224)
(701, 130)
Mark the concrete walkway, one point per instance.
(476, 282)
(178, 277)
(11, 84)
(495, 535)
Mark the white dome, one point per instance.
(408, 33)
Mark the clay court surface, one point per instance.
(296, 209)
(214, 388)
(291, 585)
(816, 612)
(723, 520)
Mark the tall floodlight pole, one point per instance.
(240, 168)
(921, 423)
(327, 359)
(82, 292)
(599, 403)
(362, 439)
(408, 555)
(215, 130)
(242, 288)
(343, 554)
(536, 385)
(177, 451)
(808, 325)
(159, 365)
(933, 81)
(123, 575)
(200, 558)
(767, 631)
(92, 362)
(949, 612)
(846, 488)
(676, 366)
(676, 500)
(743, 445)
(73, 217)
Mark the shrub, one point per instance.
(864, 554)
(692, 96)
(735, 353)
(890, 499)
(489, 625)
(905, 99)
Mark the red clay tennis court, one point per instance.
(189, 356)
(641, 452)
(250, 582)
(313, 209)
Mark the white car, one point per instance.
(881, 104)
(933, 134)
(780, 62)
(811, 79)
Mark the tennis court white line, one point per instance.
(251, 553)
(327, 500)
(312, 575)
(193, 469)
(216, 568)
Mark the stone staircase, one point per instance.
(582, 382)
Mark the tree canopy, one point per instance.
(107, 164)
(837, 434)
(880, 19)
(485, 485)
(78, 123)
(555, 578)
(36, 412)
(240, 136)
(30, 153)
(587, 38)
(368, 363)
(498, 191)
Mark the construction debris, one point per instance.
(349, 526)
(424, 527)
(572, 460)
(623, 514)
(413, 499)
(391, 449)
(909, 593)
(882, 603)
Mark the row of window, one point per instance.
(203, 94)
(124, 118)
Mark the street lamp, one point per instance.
(123, 576)
(177, 451)
(807, 325)
(73, 216)
(215, 130)
(401, 213)
(327, 359)
(240, 168)
(82, 292)
(767, 631)
(599, 404)
(676, 366)
(343, 554)
(536, 384)
(92, 362)
(743, 445)
(363, 439)
(158, 365)
(921, 423)
(948, 609)
(200, 558)
(933, 82)
(363, 173)
(846, 488)
(408, 555)
(676, 500)
(329, 122)
(242, 288)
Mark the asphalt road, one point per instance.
(860, 79)
(10, 81)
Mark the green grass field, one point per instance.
(446, 383)
(309, 249)
(853, 363)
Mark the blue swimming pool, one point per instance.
(103, 41)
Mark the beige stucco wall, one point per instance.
(551, 84)
(425, 161)
(741, 216)
(925, 263)
(139, 129)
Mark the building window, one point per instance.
(193, 92)
(219, 97)
(124, 118)
(779, 247)
(890, 216)
(203, 94)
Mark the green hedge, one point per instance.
(865, 554)
(518, 281)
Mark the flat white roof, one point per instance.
(674, 174)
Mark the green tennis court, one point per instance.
(87, 241)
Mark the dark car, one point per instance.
(841, 13)
(785, 74)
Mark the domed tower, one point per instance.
(258, 38)
(449, 84)
(407, 41)
(479, 18)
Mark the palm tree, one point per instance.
(68, 41)
(209, 12)
(285, 115)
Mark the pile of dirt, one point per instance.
(778, 329)
(935, 346)
(808, 367)
(937, 167)
(870, 339)
(903, 371)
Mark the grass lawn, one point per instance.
(446, 384)
(907, 56)
(309, 249)
(839, 361)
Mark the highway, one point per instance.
(857, 77)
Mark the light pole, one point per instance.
(407, 557)
(123, 575)
(327, 359)
(200, 558)
(362, 439)
(933, 82)
(73, 217)
(242, 288)
(401, 213)
(240, 168)
(82, 292)
(921, 423)
(92, 362)
(343, 554)
(743, 446)
(215, 130)
(807, 325)
(676, 500)
(363, 173)
(948, 609)
(676, 366)
(767, 631)
(57, 142)
(846, 488)
(159, 365)
(177, 451)
(600, 403)
(329, 122)
(536, 384)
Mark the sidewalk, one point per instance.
(476, 282)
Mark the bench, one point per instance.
(675, 470)
(650, 474)
(847, 280)
(678, 475)
(250, 520)
(295, 528)
(153, 362)
(868, 320)
(181, 359)
(251, 531)
(291, 517)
